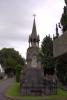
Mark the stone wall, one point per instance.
(60, 45)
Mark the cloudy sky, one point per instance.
(16, 19)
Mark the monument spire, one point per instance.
(34, 38)
(34, 31)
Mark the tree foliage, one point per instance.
(64, 18)
(47, 55)
(62, 71)
(9, 58)
(18, 72)
(61, 65)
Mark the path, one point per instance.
(3, 86)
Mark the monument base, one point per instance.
(32, 82)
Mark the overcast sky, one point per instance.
(16, 20)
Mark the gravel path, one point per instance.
(3, 86)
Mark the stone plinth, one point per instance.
(32, 82)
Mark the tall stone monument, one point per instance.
(32, 75)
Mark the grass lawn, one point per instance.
(13, 91)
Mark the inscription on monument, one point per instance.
(34, 62)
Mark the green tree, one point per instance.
(47, 55)
(64, 17)
(18, 69)
(61, 66)
(62, 71)
(9, 58)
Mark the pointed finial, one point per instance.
(56, 27)
(34, 15)
(57, 34)
(53, 36)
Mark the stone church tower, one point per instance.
(32, 76)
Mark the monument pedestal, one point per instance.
(32, 82)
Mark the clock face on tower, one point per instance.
(34, 62)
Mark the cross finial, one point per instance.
(34, 16)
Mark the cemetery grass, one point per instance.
(14, 92)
